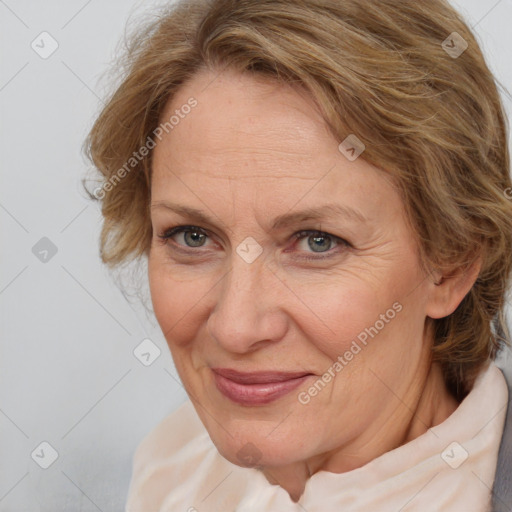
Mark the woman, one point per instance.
(318, 187)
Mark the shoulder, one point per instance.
(502, 490)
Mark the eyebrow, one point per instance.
(281, 221)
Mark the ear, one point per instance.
(447, 291)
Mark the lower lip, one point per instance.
(256, 394)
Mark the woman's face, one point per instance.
(293, 301)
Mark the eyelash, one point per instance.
(167, 235)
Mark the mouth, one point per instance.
(256, 388)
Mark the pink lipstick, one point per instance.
(256, 388)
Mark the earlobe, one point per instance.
(447, 291)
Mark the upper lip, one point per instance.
(262, 377)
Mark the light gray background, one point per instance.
(68, 375)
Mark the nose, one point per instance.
(248, 312)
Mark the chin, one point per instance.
(253, 447)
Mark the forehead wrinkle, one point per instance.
(302, 168)
(227, 149)
(245, 130)
(251, 160)
(248, 177)
(253, 151)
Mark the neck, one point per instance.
(430, 406)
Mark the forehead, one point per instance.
(253, 139)
(245, 115)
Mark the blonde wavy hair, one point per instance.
(376, 68)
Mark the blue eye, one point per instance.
(318, 241)
(192, 235)
(316, 244)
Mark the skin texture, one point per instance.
(252, 150)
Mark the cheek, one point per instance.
(333, 312)
(346, 314)
(177, 301)
(360, 306)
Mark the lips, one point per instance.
(256, 388)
